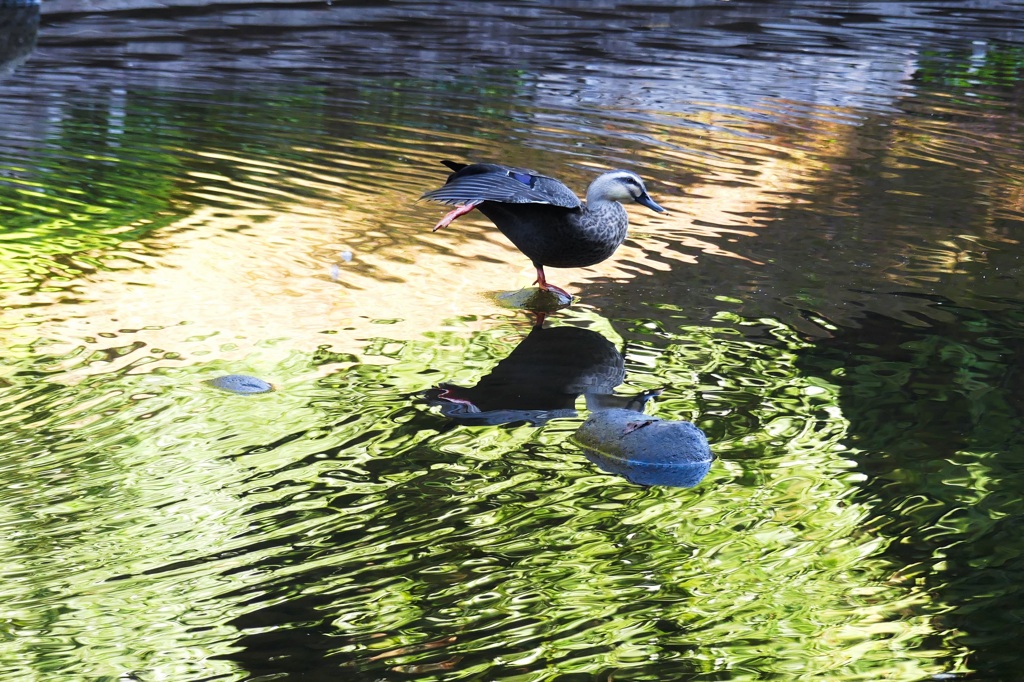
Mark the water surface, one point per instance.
(834, 297)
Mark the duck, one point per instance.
(542, 217)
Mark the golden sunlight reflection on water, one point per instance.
(220, 282)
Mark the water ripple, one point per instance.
(189, 194)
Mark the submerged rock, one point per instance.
(535, 299)
(645, 450)
(240, 383)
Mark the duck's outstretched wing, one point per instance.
(480, 182)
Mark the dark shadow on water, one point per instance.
(936, 413)
(19, 24)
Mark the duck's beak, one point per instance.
(645, 200)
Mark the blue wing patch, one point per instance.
(524, 178)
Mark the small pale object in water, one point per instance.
(344, 257)
(241, 384)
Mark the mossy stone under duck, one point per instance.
(541, 216)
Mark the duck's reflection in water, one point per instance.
(541, 380)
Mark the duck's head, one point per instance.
(623, 186)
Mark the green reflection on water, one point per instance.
(115, 169)
(934, 413)
(155, 521)
(988, 65)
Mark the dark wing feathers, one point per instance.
(481, 182)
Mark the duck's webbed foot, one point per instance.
(557, 290)
(450, 217)
(543, 284)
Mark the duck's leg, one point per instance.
(450, 217)
(445, 393)
(543, 284)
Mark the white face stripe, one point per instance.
(631, 181)
(617, 185)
